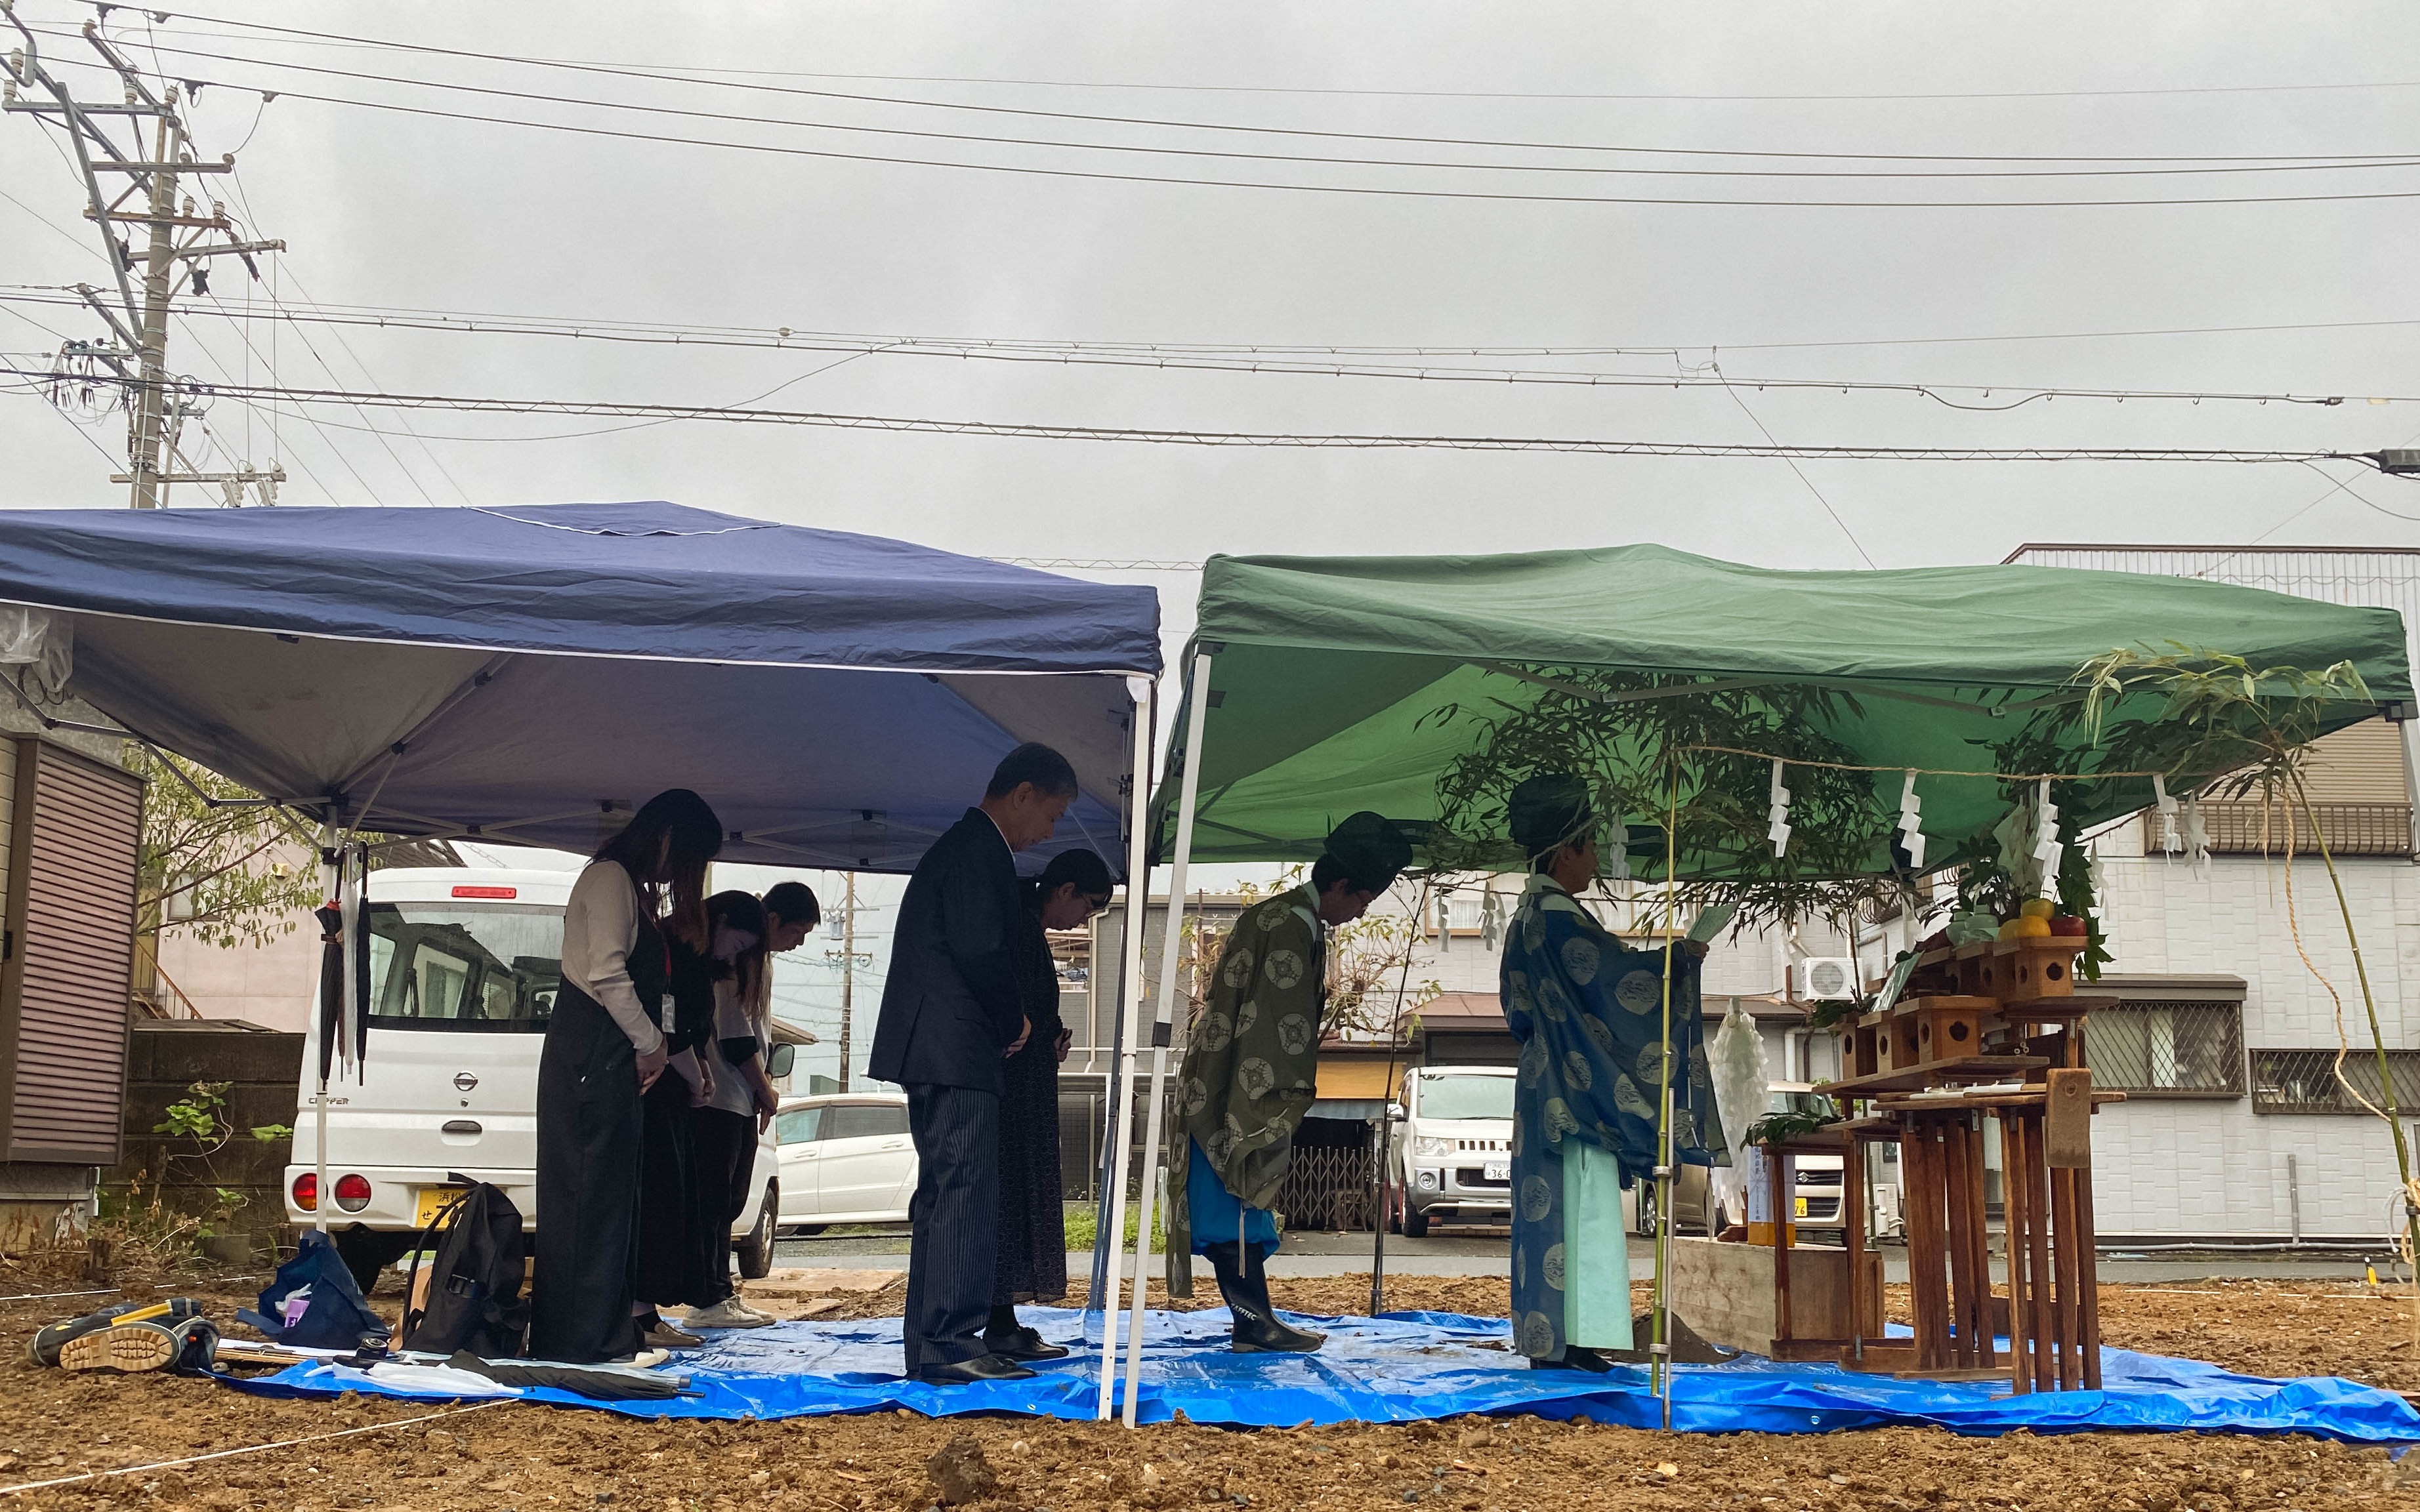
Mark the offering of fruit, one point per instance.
(2037, 908)
(2067, 926)
(2031, 927)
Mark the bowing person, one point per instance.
(1249, 1077)
(1589, 1011)
(605, 1049)
(1032, 1265)
(951, 1014)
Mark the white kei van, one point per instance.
(464, 966)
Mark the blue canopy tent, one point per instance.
(531, 674)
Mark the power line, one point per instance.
(1302, 361)
(2212, 163)
(323, 39)
(1038, 430)
(1380, 191)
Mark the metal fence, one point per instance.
(2305, 1081)
(1334, 1188)
(2252, 829)
(2163, 1049)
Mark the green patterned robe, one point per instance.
(1251, 1069)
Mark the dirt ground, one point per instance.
(56, 1424)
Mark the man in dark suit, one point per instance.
(950, 1016)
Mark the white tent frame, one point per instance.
(1163, 1033)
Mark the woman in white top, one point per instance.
(604, 1048)
(725, 1127)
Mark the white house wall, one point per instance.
(2195, 1167)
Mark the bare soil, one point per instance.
(55, 1424)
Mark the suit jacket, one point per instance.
(951, 1003)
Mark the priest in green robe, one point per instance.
(1249, 1074)
(1589, 1011)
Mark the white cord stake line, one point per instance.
(1911, 823)
(251, 1449)
(1779, 814)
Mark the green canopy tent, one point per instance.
(1328, 674)
(1318, 686)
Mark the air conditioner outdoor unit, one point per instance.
(1825, 978)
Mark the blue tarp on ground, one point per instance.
(839, 698)
(1406, 1365)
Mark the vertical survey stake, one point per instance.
(1911, 823)
(1779, 814)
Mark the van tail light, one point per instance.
(306, 1191)
(352, 1192)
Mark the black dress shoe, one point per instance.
(1265, 1335)
(968, 1372)
(1578, 1357)
(1022, 1343)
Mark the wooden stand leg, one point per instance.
(1920, 1168)
(2012, 1191)
(2088, 1290)
(1961, 1219)
(1979, 1245)
(2069, 1279)
(2045, 1325)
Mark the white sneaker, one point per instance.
(755, 1311)
(646, 1359)
(729, 1313)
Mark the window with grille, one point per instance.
(2167, 1049)
(2305, 1081)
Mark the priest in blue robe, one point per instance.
(1589, 1011)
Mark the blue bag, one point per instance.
(333, 1315)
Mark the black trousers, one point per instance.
(724, 1145)
(588, 1139)
(672, 1246)
(956, 1214)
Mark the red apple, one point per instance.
(2067, 926)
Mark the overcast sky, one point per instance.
(406, 211)
(393, 210)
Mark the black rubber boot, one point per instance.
(1245, 1287)
(1011, 1341)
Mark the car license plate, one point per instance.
(1499, 1171)
(433, 1198)
(1800, 1212)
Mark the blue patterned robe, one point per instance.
(1589, 1013)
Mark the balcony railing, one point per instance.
(2251, 829)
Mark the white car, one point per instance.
(464, 966)
(846, 1158)
(1453, 1160)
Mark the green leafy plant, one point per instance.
(1640, 742)
(1780, 1127)
(2217, 726)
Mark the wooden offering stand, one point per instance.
(1988, 1029)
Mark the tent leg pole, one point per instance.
(1163, 1020)
(1108, 1250)
(1145, 721)
(328, 886)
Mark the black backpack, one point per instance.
(474, 1300)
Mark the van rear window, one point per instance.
(492, 967)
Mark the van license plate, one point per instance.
(1802, 1208)
(1499, 1171)
(432, 1199)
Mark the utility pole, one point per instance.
(157, 404)
(847, 957)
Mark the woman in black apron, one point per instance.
(605, 1047)
(1033, 1254)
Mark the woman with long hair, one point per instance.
(723, 1129)
(605, 1048)
(1032, 1264)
